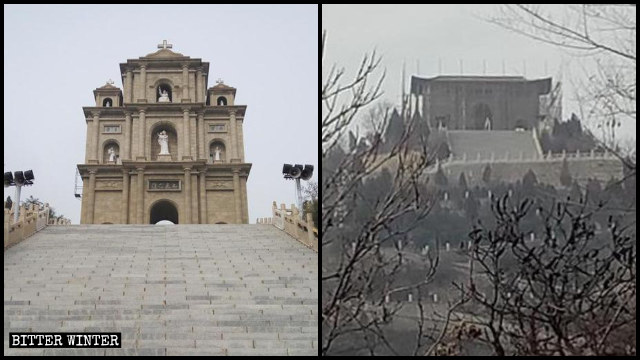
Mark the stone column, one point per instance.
(203, 87)
(236, 194)
(239, 140)
(233, 154)
(143, 75)
(88, 151)
(203, 196)
(200, 136)
(128, 90)
(140, 202)
(91, 201)
(186, 144)
(245, 210)
(125, 196)
(126, 146)
(185, 82)
(187, 195)
(205, 148)
(85, 201)
(141, 132)
(198, 85)
(193, 136)
(96, 136)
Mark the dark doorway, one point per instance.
(482, 116)
(164, 210)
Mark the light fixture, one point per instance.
(297, 172)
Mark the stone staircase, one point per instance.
(496, 143)
(170, 290)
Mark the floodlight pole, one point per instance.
(299, 196)
(15, 215)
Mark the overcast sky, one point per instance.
(439, 37)
(56, 55)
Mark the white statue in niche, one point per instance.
(217, 153)
(163, 140)
(164, 95)
(112, 154)
(487, 124)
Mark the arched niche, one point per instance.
(482, 116)
(107, 146)
(221, 101)
(173, 140)
(107, 102)
(217, 144)
(163, 210)
(160, 87)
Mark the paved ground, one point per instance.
(170, 290)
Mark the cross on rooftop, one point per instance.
(219, 81)
(110, 82)
(164, 45)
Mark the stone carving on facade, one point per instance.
(165, 185)
(219, 185)
(109, 185)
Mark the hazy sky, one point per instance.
(438, 37)
(56, 55)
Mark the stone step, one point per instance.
(180, 290)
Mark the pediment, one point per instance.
(163, 53)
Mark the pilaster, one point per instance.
(233, 154)
(92, 195)
(236, 194)
(140, 202)
(203, 196)
(187, 195)
(96, 136)
(125, 197)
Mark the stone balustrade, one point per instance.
(289, 221)
(519, 158)
(32, 218)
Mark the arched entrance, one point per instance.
(163, 210)
(481, 116)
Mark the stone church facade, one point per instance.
(165, 104)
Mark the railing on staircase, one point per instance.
(288, 220)
(32, 218)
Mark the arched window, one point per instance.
(164, 93)
(111, 152)
(217, 152)
(222, 101)
(107, 102)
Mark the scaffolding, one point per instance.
(78, 185)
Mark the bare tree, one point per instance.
(569, 292)
(311, 190)
(362, 252)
